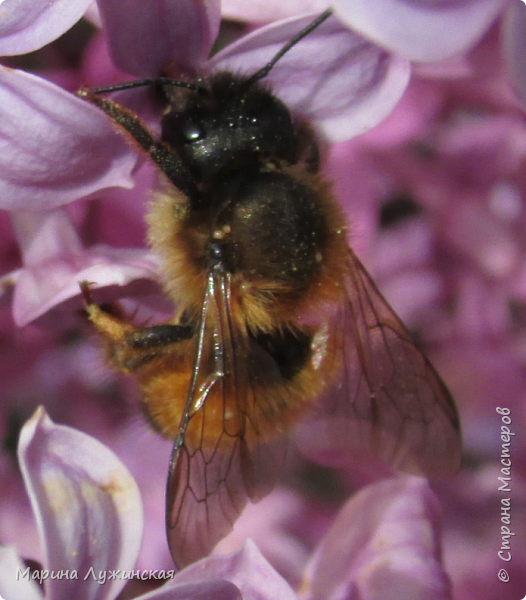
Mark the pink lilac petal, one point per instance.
(98, 68)
(117, 216)
(161, 36)
(408, 246)
(42, 287)
(11, 585)
(87, 506)
(266, 11)
(333, 76)
(42, 235)
(55, 262)
(247, 569)
(385, 543)
(514, 44)
(27, 25)
(54, 147)
(92, 14)
(421, 30)
(473, 232)
(200, 590)
(413, 295)
(416, 109)
(268, 524)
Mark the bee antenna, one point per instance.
(264, 71)
(128, 85)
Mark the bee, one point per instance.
(276, 320)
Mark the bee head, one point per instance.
(228, 124)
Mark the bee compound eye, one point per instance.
(180, 129)
(192, 131)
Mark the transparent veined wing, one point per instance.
(228, 449)
(386, 398)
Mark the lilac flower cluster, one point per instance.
(419, 104)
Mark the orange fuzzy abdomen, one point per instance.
(253, 401)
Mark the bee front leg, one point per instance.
(127, 346)
(162, 154)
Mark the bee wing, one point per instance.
(221, 457)
(388, 399)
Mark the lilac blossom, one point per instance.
(259, 11)
(87, 508)
(89, 516)
(51, 155)
(433, 31)
(387, 536)
(454, 268)
(394, 552)
(55, 261)
(418, 29)
(178, 35)
(54, 148)
(30, 24)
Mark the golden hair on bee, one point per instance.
(272, 295)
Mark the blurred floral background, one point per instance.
(424, 138)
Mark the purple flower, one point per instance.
(435, 197)
(89, 517)
(421, 30)
(87, 507)
(416, 29)
(28, 25)
(433, 31)
(54, 147)
(55, 261)
(261, 11)
(384, 543)
(53, 151)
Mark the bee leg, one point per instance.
(109, 321)
(157, 336)
(143, 345)
(162, 154)
(129, 347)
